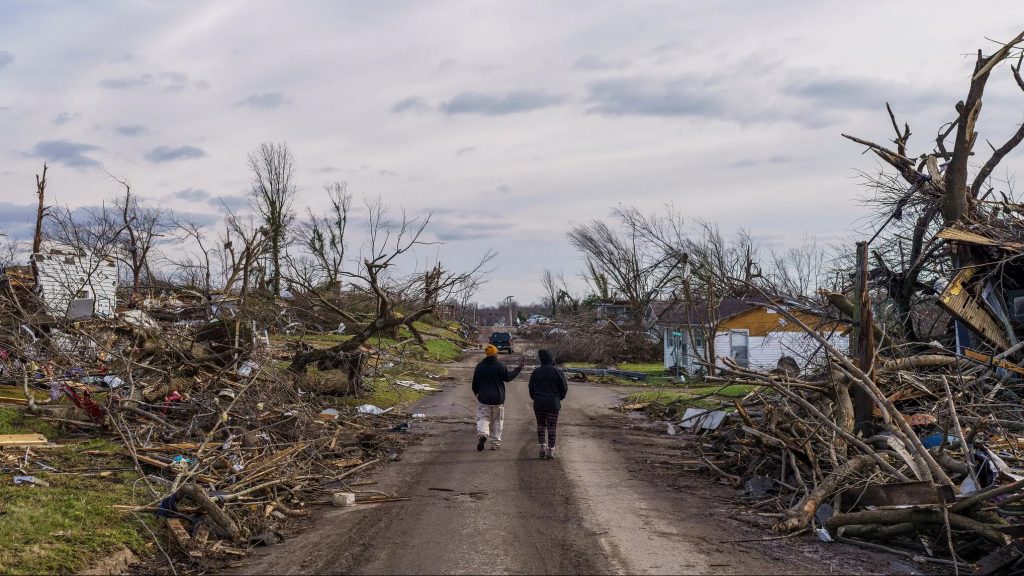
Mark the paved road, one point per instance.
(503, 511)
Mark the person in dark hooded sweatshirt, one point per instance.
(547, 390)
(489, 379)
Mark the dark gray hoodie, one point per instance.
(547, 384)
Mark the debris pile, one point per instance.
(228, 445)
(913, 447)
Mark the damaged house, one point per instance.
(69, 283)
(744, 329)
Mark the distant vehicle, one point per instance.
(537, 319)
(501, 341)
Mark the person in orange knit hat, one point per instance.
(489, 379)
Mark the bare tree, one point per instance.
(635, 265)
(323, 237)
(384, 292)
(908, 255)
(272, 167)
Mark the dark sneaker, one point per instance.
(480, 443)
(551, 453)
(543, 452)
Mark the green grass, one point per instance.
(703, 397)
(649, 368)
(442, 350)
(66, 526)
(385, 395)
(14, 421)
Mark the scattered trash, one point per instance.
(757, 487)
(823, 535)
(419, 415)
(329, 414)
(247, 368)
(417, 386)
(343, 499)
(369, 409)
(702, 419)
(19, 480)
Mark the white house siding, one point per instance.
(764, 351)
(63, 275)
(686, 355)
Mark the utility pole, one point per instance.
(508, 300)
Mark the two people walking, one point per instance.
(548, 388)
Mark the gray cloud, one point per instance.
(17, 220)
(131, 130)
(413, 104)
(194, 194)
(229, 202)
(751, 162)
(500, 104)
(65, 117)
(465, 150)
(168, 154)
(199, 218)
(175, 77)
(650, 97)
(461, 231)
(127, 82)
(388, 173)
(71, 154)
(705, 96)
(593, 62)
(5, 59)
(853, 93)
(267, 100)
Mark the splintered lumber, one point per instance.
(992, 360)
(960, 303)
(20, 440)
(967, 237)
(9, 400)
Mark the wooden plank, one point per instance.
(967, 237)
(959, 302)
(989, 359)
(9, 400)
(7, 440)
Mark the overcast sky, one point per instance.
(510, 121)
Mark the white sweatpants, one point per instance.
(489, 421)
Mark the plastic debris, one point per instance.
(417, 386)
(329, 414)
(369, 409)
(18, 480)
(343, 499)
(247, 368)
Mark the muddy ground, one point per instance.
(613, 501)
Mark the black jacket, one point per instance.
(489, 380)
(547, 384)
